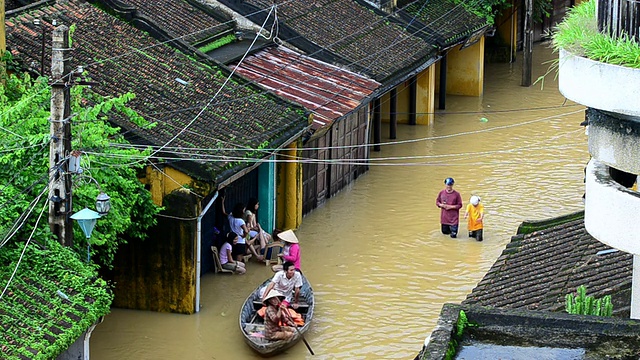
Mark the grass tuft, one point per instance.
(578, 34)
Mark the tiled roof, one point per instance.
(346, 32)
(451, 22)
(171, 88)
(327, 91)
(181, 19)
(11, 4)
(50, 302)
(537, 270)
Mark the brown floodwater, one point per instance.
(373, 253)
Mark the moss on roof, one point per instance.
(51, 301)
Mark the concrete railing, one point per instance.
(599, 85)
(611, 210)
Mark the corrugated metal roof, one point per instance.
(328, 91)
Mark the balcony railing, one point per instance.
(619, 17)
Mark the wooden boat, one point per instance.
(252, 325)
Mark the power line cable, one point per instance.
(374, 161)
(383, 143)
(379, 53)
(23, 251)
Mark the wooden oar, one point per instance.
(299, 333)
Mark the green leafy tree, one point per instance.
(24, 163)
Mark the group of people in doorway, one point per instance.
(450, 202)
(247, 239)
(281, 296)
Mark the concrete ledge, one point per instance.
(614, 139)
(611, 210)
(533, 328)
(599, 85)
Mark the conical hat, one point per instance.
(288, 236)
(271, 294)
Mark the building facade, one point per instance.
(612, 203)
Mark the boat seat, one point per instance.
(303, 307)
(217, 264)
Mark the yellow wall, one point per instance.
(424, 103)
(507, 24)
(465, 70)
(402, 107)
(164, 181)
(289, 189)
(426, 96)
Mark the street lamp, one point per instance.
(86, 218)
(103, 203)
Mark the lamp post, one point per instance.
(86, 218)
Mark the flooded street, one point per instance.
(374, 254)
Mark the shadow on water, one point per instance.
(380, 269)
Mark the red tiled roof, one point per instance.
(357, 36)
(326, 90)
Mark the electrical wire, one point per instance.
(23, 218)
(217, 92)
(23, 251)
(374, 161)
(398, 142)
(379, 53)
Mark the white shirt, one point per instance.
(236, 226)
(286, 286)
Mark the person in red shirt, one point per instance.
(450, 202)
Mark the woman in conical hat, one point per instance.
(274, 316)
(291, 250)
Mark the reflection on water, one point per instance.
(374, 255)
(491, 351)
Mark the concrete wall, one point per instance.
(615, 140)
(402, 108)
(159, 273)
(426, 96)
(163, 180)
(507, 28)
(289, 189)
(465, 70)
(599, 85)
(611, 210)
(425, 101)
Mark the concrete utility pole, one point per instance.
(527, 47)
(60, 146)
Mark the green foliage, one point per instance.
(24, 162)
(461, 325)
(31, 308)
(218, 43)
(72, 29)
(582, 304)
(578, 34)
